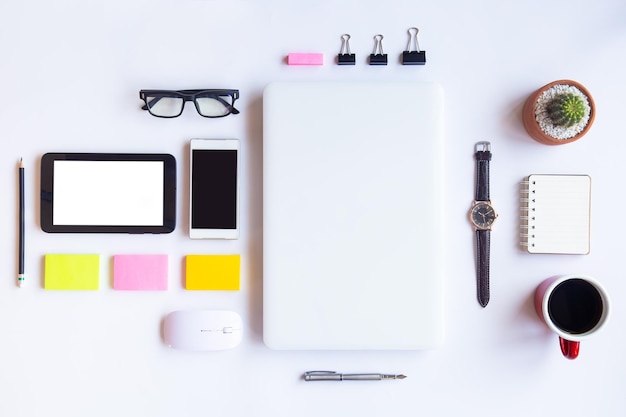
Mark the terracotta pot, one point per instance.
(531, 125)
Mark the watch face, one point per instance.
(483, 215)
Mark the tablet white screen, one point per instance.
(108, 193)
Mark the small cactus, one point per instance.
(567, 109)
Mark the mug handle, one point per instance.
(570, 349)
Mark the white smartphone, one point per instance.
(214, 189)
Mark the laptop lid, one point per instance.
(352, 216)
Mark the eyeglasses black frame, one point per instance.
(190, 95)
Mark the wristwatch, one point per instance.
(482, 216)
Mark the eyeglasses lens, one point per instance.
(214, 105)
(162, 106)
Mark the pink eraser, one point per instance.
(305, 59)
(140, 272)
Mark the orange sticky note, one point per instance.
(212, 272)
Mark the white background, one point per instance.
(70, 74)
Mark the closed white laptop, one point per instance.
(353, 216)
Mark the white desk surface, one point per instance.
(70, 74)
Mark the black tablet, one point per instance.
(108, 193)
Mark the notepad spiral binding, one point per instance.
(527, 214)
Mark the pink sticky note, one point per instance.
(305, 59)
(140, 272)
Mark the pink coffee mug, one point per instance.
(574, 307)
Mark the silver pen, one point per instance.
(336, 376)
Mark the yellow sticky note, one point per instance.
(212, 272)
(71, 272)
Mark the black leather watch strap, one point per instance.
(483, 238)
(482, 174)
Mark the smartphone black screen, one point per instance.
(214, 189)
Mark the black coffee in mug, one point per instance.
(575, 306)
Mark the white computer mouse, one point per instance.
(202, 330)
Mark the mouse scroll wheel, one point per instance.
(227, 330)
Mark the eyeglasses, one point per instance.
(209, 103)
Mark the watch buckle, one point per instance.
(483, 146)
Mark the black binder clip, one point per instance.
(415, 57)
(378, 57)
(345, 57)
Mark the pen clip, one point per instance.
(320, 375)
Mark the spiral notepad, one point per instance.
(556, 214)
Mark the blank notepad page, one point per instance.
(559, 208)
